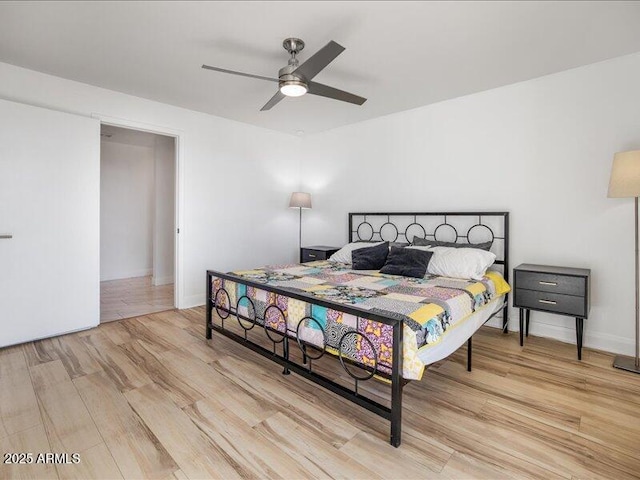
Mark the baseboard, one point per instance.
(131, 274)
(157, 281)
(597, 340)
(192, 301)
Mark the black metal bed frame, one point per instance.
(393, 413)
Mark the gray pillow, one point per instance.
(407, 261)
(391, 244)
(399, 244)
(424, 242)
(370, 258)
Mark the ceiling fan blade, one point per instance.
(330, 92)
(224, 70)
(319, 60)
(273, 101)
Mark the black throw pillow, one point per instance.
(425, 242)
(370, 258)
(409, 262)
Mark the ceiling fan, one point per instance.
(294, 80)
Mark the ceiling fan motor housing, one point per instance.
(287, 73)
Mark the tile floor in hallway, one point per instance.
(132, 297)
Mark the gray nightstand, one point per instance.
(315, 253)
(560, 290)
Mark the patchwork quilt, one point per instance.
(429, 308)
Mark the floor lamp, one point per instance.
(625, 182)
(300, 200)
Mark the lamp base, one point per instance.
(626, 363)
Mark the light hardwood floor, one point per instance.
(132, 297)
(150, 398)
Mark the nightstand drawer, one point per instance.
(547, 282)
(312, 255)
(551, 302)
(316, 253)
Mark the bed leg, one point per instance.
(396, 415)
(469, 350)
(285, 354)
(209, 308)
(396, 386)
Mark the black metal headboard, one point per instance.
(460, 227)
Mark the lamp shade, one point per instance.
(625, 175)
(300, 200)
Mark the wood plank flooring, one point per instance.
(133, 297)
(149, 397)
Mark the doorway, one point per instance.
(138, 171)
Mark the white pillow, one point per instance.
(468, 263)
(344, 254)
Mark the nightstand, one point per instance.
(559, 290)
(315, 253)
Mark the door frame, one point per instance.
(178, 136)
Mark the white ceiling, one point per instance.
(398, 55)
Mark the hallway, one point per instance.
(132, 297)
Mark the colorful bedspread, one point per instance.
(429, 307)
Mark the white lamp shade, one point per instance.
(625, 175)
(300, 200)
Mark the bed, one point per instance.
(382, 327)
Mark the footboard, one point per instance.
(290, 329)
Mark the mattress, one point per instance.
(438, 313)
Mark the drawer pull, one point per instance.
(552, 284)
(550, 302)
(311, 255)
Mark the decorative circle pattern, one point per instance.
(391, 227)
(480, 225)
(455, 232)
(361, 237)
(268, 328)
(341, 357)
(253, 308)
(303, 345)
(416, 226)
(224, 304)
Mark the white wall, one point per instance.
(541, 149)
(236, 178)
(127, 217)
(164, 211)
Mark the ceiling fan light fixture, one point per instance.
(293, 88)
